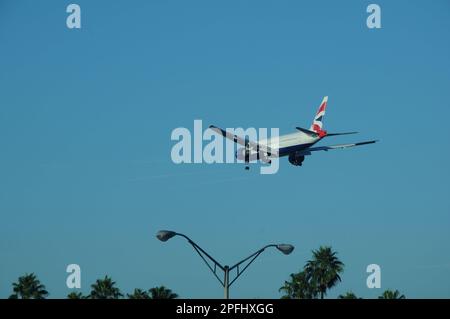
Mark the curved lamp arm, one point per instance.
(165, 235)
(284, 248)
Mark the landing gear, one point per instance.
(247, 154)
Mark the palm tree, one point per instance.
(75, 295)
(348, 295)
(162, 293)
(105, 289)
(28, 287)
(390, 294)
(139, 294)
(324, 269)
(298, 287)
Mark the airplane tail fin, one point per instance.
(317, 124)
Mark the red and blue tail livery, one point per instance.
(317, 124)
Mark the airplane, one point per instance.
(295, 145)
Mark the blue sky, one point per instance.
(86, 117)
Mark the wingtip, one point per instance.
(365, 143)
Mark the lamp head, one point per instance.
(165, 235)
(285, 248)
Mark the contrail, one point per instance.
(137, 179)
(224, 180)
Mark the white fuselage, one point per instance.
(285, 144)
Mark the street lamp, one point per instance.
(165, 235)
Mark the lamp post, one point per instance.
(165, 235)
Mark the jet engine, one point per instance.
(296, 159)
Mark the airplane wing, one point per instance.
(334, 147)
(241, 141)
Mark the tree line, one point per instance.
(30, 287)
(318, 276)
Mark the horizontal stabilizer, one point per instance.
(307, 132)
(336, 134)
